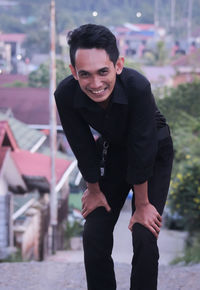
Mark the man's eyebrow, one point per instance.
(87, 72)
(103, 68)
(82, 71)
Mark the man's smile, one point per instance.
(97, 92)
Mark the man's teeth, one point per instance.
(98, 92)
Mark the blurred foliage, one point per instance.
(40, 77)
(184, 98)
(132, 64)
(75, 200)
(192, 250)
(181, 107)
(185, 194)
(13, 258)
(161, 53)
(73, 229)
(16, 84)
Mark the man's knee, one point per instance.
(144, 240)
(98, 234)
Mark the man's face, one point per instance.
(96, 73)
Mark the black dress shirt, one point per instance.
(131, 121)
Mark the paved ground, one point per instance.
(71, 276)
(65, 270)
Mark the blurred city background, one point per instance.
(40, 184)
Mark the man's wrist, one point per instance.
(141, 204)
(141, 195)
(93, 187)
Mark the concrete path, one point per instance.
(71, 276)
(171, 244)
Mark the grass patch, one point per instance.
(16, 84)
(13, 258)
(191, 251)
(75, 200)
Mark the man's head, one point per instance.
(93, 36)
(95, 60)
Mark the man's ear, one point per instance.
(119, 65)
(73, 71)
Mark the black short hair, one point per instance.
(93, 36)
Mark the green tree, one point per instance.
(161, 53)
(181, 106)
(40, 77)
(185, 194)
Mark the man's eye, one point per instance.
(103, 72)
(83, 74)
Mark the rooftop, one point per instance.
(11, 78)
(12, 37)
(26, 138)
(6, 136)
(29, 105)
(190, 60)
(38, 165)
(3, 151)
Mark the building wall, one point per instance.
(3, 223)
(27, 235)
(8, 176)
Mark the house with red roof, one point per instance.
(10, 181)
(25, 180)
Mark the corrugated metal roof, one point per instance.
(39, 165)
(29, 105)
(26, 137)
(3, 152)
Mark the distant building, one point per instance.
(11, 50)
(187, 68)
(132, 37)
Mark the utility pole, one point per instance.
(52, 111)
(172, 20)
(189, 20)
(156, 17)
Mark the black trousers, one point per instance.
(99, 225)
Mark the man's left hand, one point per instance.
(148, 216)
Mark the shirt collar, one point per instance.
(119, 93)
(119, 96)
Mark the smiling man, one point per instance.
(134, 152)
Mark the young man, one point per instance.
(134, 152)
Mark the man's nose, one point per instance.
(96, 82)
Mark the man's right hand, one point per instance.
(92, 198)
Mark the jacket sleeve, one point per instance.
(80, 139)
(142, 136)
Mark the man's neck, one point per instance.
(105, 103)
